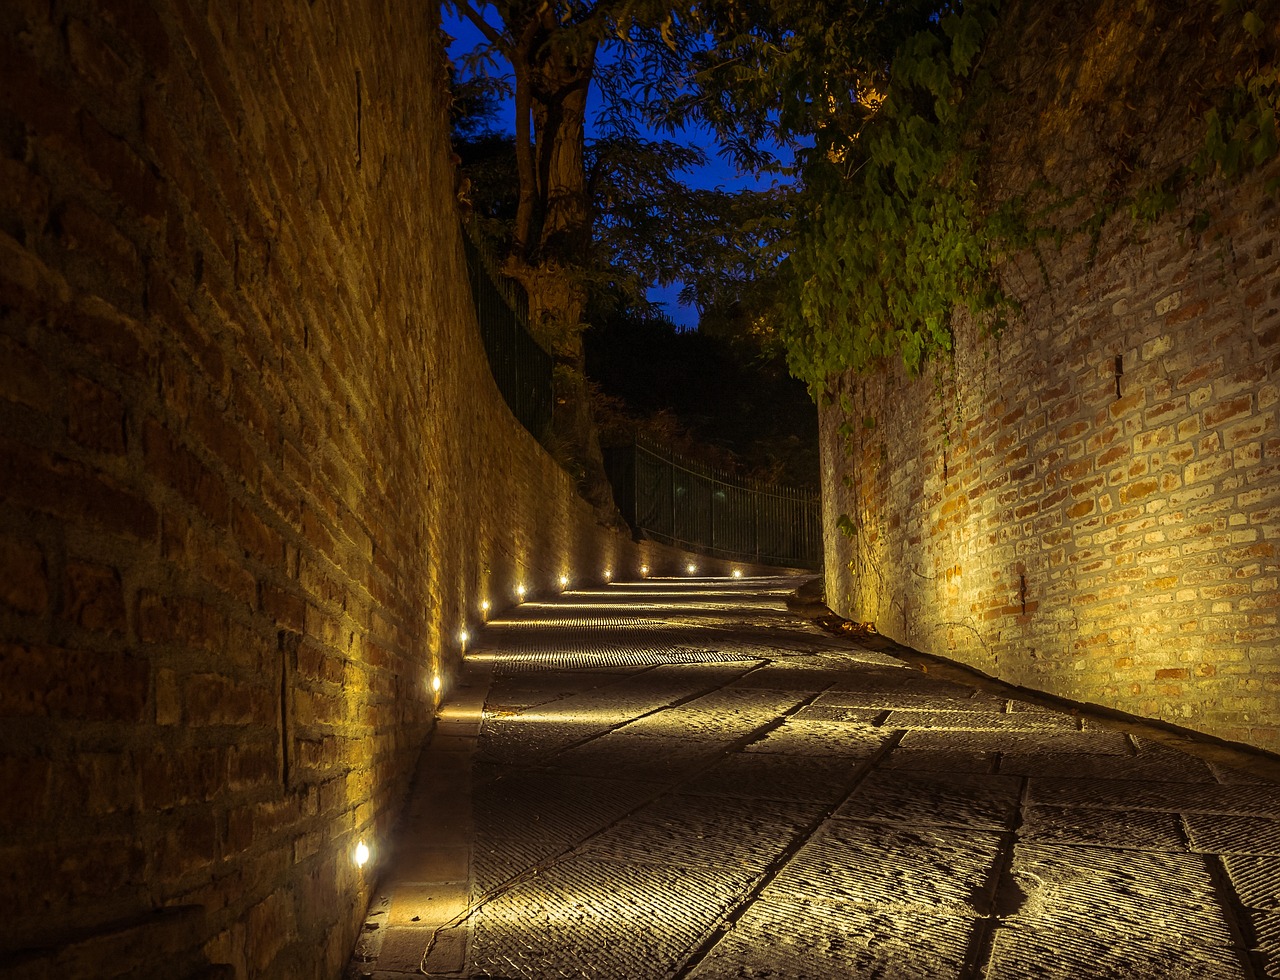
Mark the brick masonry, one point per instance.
(256, 475)
(1090, 505)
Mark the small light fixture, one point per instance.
(564, 581)
(520, 592)
(484, 605)
(691, 568)
(435, 683)
(608, 574)
(361, 854)
(463, 636)
(737, 573)
(644, 569)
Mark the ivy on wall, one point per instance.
(901, 238)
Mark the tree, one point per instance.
(875, 96)
(552, 49)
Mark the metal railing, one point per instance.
(675, 500)
(520, 366)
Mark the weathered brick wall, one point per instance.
(1090, 506)
(254, 474)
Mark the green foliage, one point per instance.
(1155, 199)
(1240, 132)
(899, 239)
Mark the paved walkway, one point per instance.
(676, 778)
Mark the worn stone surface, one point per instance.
(692, 820)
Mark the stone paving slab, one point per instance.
(1054, 953)
(1169, 796)
(810, 738)
(1163, 766)
(656, 758)
(1216, 834)
(902, 700)
(1046, 742)
(928, 869)
(761, 776)
(965, 800)
(807, 940)
(1084, 911)
(939, 760)
(1266, 928)
(764, 800)
(573, 920)
(696, 724)
(839, 713)
(1127, 829)
(986, 721)
(692, 831)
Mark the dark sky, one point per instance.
(716, 173)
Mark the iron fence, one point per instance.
(519, 364)
(680, 502)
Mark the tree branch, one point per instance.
(491, 35)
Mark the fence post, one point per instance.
(755, 507)
(671, 483)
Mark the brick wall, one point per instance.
(255, 474)
(1090, 505)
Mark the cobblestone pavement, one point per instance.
(677, 778)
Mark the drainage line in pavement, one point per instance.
(736, 745)
(1006, 897)
(1233, 910)
(677, 703)
(779, 863)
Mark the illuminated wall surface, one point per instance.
(256, 476)
(1091, 505)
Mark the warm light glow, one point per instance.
(435, 683)
(644, 569)
(463, 636)
(737, 573)
(564, 581)
(361, 855)
(608, 574)
(484, 605)
(520, 592)
(691, 567)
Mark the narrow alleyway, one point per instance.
(678, 778)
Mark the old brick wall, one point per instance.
(1090, 505)
(255, 475)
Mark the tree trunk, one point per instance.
(552, 239)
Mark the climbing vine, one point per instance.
(1240, 132)
(899, 239)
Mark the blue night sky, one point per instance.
(717, 172)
